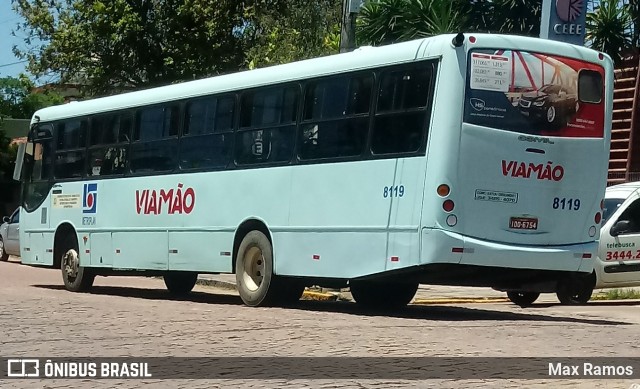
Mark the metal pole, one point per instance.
(348, 29)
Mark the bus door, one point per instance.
(36, 177)
(405, 196)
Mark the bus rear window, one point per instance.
(589, 86)
(534, 93)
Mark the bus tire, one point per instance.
(383, 295)
(523, 299)
(255, 280)
(3, 253)
(576, 289)
(76, 278)
(180, 283)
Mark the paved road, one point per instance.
(135, 317)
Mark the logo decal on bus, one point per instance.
(535, 139)
(477, 104)
(531, 170)
(90, 198)
(176, 200)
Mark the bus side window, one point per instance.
(267, 125)
(155, 141)
(70, 149)
(207, 134)
(336, 117)
(401, 112)
(109, 144)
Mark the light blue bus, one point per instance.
(474, 160)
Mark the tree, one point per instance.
(387, 21)
(280, 31)
(608, 28)
(118, 44)
(19, 100)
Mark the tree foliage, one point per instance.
(19, 100)
(388, 21)
(608, 28)
(110, 45)
(280, 31)
(118, 44)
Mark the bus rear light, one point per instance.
(598, 218)
(395, 259)
(592, 231)
(600, 56)
(443, 190)
(448, 205)
(472, 39)
(452, 220)
(458, 250)
(586, 255)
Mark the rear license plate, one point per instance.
(523, 223)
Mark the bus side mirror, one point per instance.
(620, 227)
(17, 170)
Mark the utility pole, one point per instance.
(350, 9)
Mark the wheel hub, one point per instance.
(70, 261)
(254, 268)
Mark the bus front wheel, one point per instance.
(180, 283)
(76, 278)
(383, 295)
(523, 299)
(255, 280)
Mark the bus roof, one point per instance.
(361, 58)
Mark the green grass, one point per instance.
(617, 294)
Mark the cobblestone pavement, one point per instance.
(136, 317)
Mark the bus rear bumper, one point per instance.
(476, 252)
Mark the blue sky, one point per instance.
(8, 21)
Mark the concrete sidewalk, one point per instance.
(426, 293)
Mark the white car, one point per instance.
(10, 236)
(618, 262)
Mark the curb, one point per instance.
(461, 300)
(307, 295)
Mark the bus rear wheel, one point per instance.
(576, 289)
(180, 283)
(391, 295)
(523, 299)
(76, 278)
(256, 283)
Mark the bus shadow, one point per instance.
(447, 313)
(156, 294)
(420, 312)
(600, 303)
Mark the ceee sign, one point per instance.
(563, 20)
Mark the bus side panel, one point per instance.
(141, 250)
(101, 249)
(329, 254)
(39, 255)
(200, 251)
(338, 212)
(406, 207)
